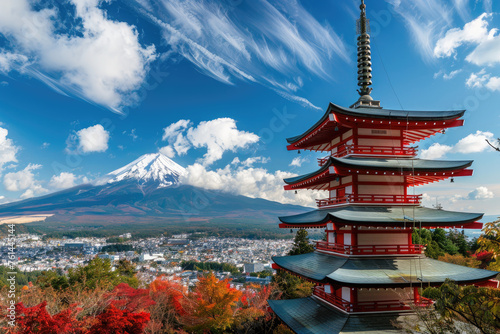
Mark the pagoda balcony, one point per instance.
(370, 306)
(371, 151)
(369, 249)
(369, 199)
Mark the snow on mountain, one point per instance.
(148, 168)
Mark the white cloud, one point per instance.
(7, 148)
(10, 61)
(251, 182)
(168, 151)
(266, 41)
(217, 136)
(477, 80)
(447, 76)
(249, 162)
(66, 180)
(92, 139)
(483, 79)
(100, 60)
(435, 151)
(473, 143)
(298, 161)
(474, 32)
(480, 193)
(24, 180)
(35, 190)
(486, 53)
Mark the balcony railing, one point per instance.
(370, 306)
(370, 199)
(369, 249)
(371, 150)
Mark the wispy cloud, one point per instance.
(265, 41)
(425, 20)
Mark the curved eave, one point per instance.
(410, 115)
(418, 165)
(300, 178)
(378, 113)
(346, 166)
(402, 272)
(382, 216)
(325, 117)
(310, 316)
(378, 272)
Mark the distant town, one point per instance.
(152, 256)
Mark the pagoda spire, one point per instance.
(364, 62)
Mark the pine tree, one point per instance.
(301, 244)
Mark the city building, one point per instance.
(253, 267)
(368, 271)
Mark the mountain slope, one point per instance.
(147, 189)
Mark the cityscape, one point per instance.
(152, 257)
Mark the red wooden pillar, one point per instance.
(354, 298)
(354, 236)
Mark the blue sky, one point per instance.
(87, 86)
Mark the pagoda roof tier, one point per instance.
(381, 216)
(417, 171)
(311, 316)
(378, 272)
(416, 125)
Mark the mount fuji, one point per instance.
(144, 192)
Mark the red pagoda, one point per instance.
(368, 271)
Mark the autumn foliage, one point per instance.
(165, 306)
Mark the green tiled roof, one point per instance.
(309, 316)
(387, 271)
(418, 165)
(405, 164)
(382, 114)
(384, 216)
(315, 266)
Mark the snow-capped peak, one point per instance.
(154, 167)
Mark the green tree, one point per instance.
(53, 279)
(99, 272)
(433, 250)
(479, 307)
(301, 244)
(292, 286)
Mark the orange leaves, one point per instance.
(165, 306)
(211, 306)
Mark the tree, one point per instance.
(211, 306)
(292, 286)
(479, 307)
(489, 241)
(99, 272)
(461, 260)
(301, 244)
(115, 321)
(36, 319)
